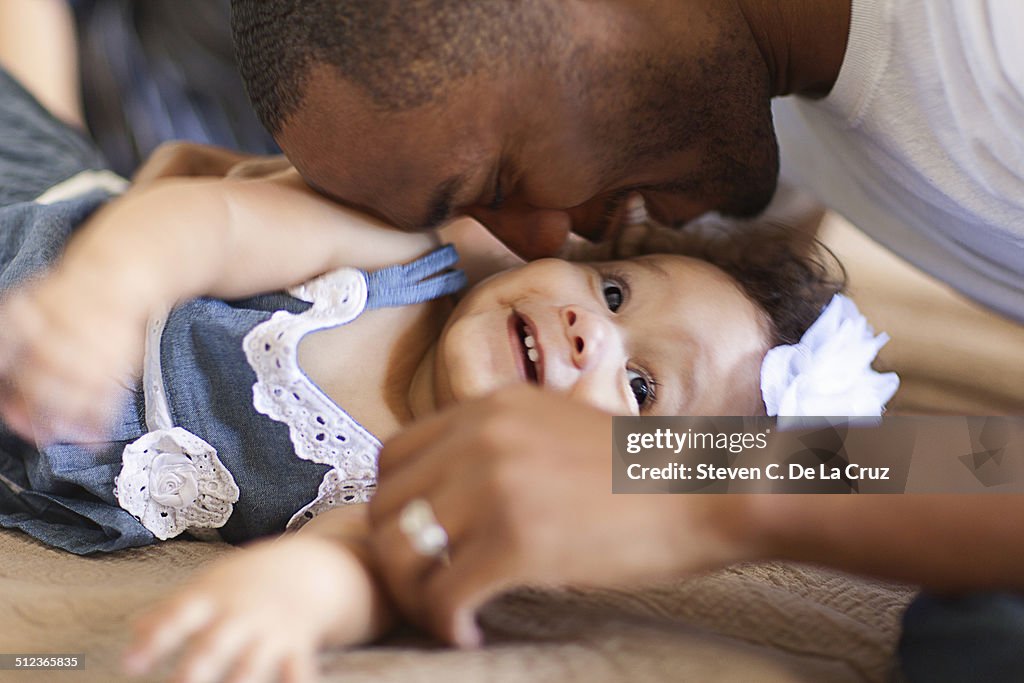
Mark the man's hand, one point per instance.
(521, 481)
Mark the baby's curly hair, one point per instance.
(789, 275)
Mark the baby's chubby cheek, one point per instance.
(461, 365)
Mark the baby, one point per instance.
(151, 387)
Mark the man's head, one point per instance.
(537, 117)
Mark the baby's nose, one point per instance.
(588, 334)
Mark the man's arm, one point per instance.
(532, 503)
(950, 542)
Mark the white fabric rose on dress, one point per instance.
(172, 481)
(828, 373)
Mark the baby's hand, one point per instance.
(68, 344)
(261, 614)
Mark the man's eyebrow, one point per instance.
(441, 201)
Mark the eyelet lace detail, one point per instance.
(172, 481)
(319, 429)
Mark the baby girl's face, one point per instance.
(656, 335)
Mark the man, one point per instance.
(540, 118)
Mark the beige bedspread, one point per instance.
(774, 623)
(759, 623)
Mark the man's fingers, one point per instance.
(426, 451)
(410, 442)
(456, 504)
(417, 476)
(405, 569)
(454, 594)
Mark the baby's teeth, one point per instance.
(532, 354)
(529, 341)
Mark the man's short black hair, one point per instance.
(403, 53)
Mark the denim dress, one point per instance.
(66, 494)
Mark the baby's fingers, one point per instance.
(300, 666)
(47, 408)
(212, 653)
(54, 385)
(164, 630)
(267, 662)
(14, 412)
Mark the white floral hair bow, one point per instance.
(828, 372)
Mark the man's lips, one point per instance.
(526, 349)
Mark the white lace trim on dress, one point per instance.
(171, 480)
(320, 430)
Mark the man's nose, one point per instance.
(530, 232)
(589, 335)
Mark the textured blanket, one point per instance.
(765, 623)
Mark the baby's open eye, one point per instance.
(612, 294)
(640, 386)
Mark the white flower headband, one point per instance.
(828, 372)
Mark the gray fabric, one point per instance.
(36, 150)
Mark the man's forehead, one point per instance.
(411, 167)
(374, 171)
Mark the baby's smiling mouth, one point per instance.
(529, 349)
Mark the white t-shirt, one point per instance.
(920, 144)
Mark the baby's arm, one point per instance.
(266, 610)
(180, 238)
(66, 338)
